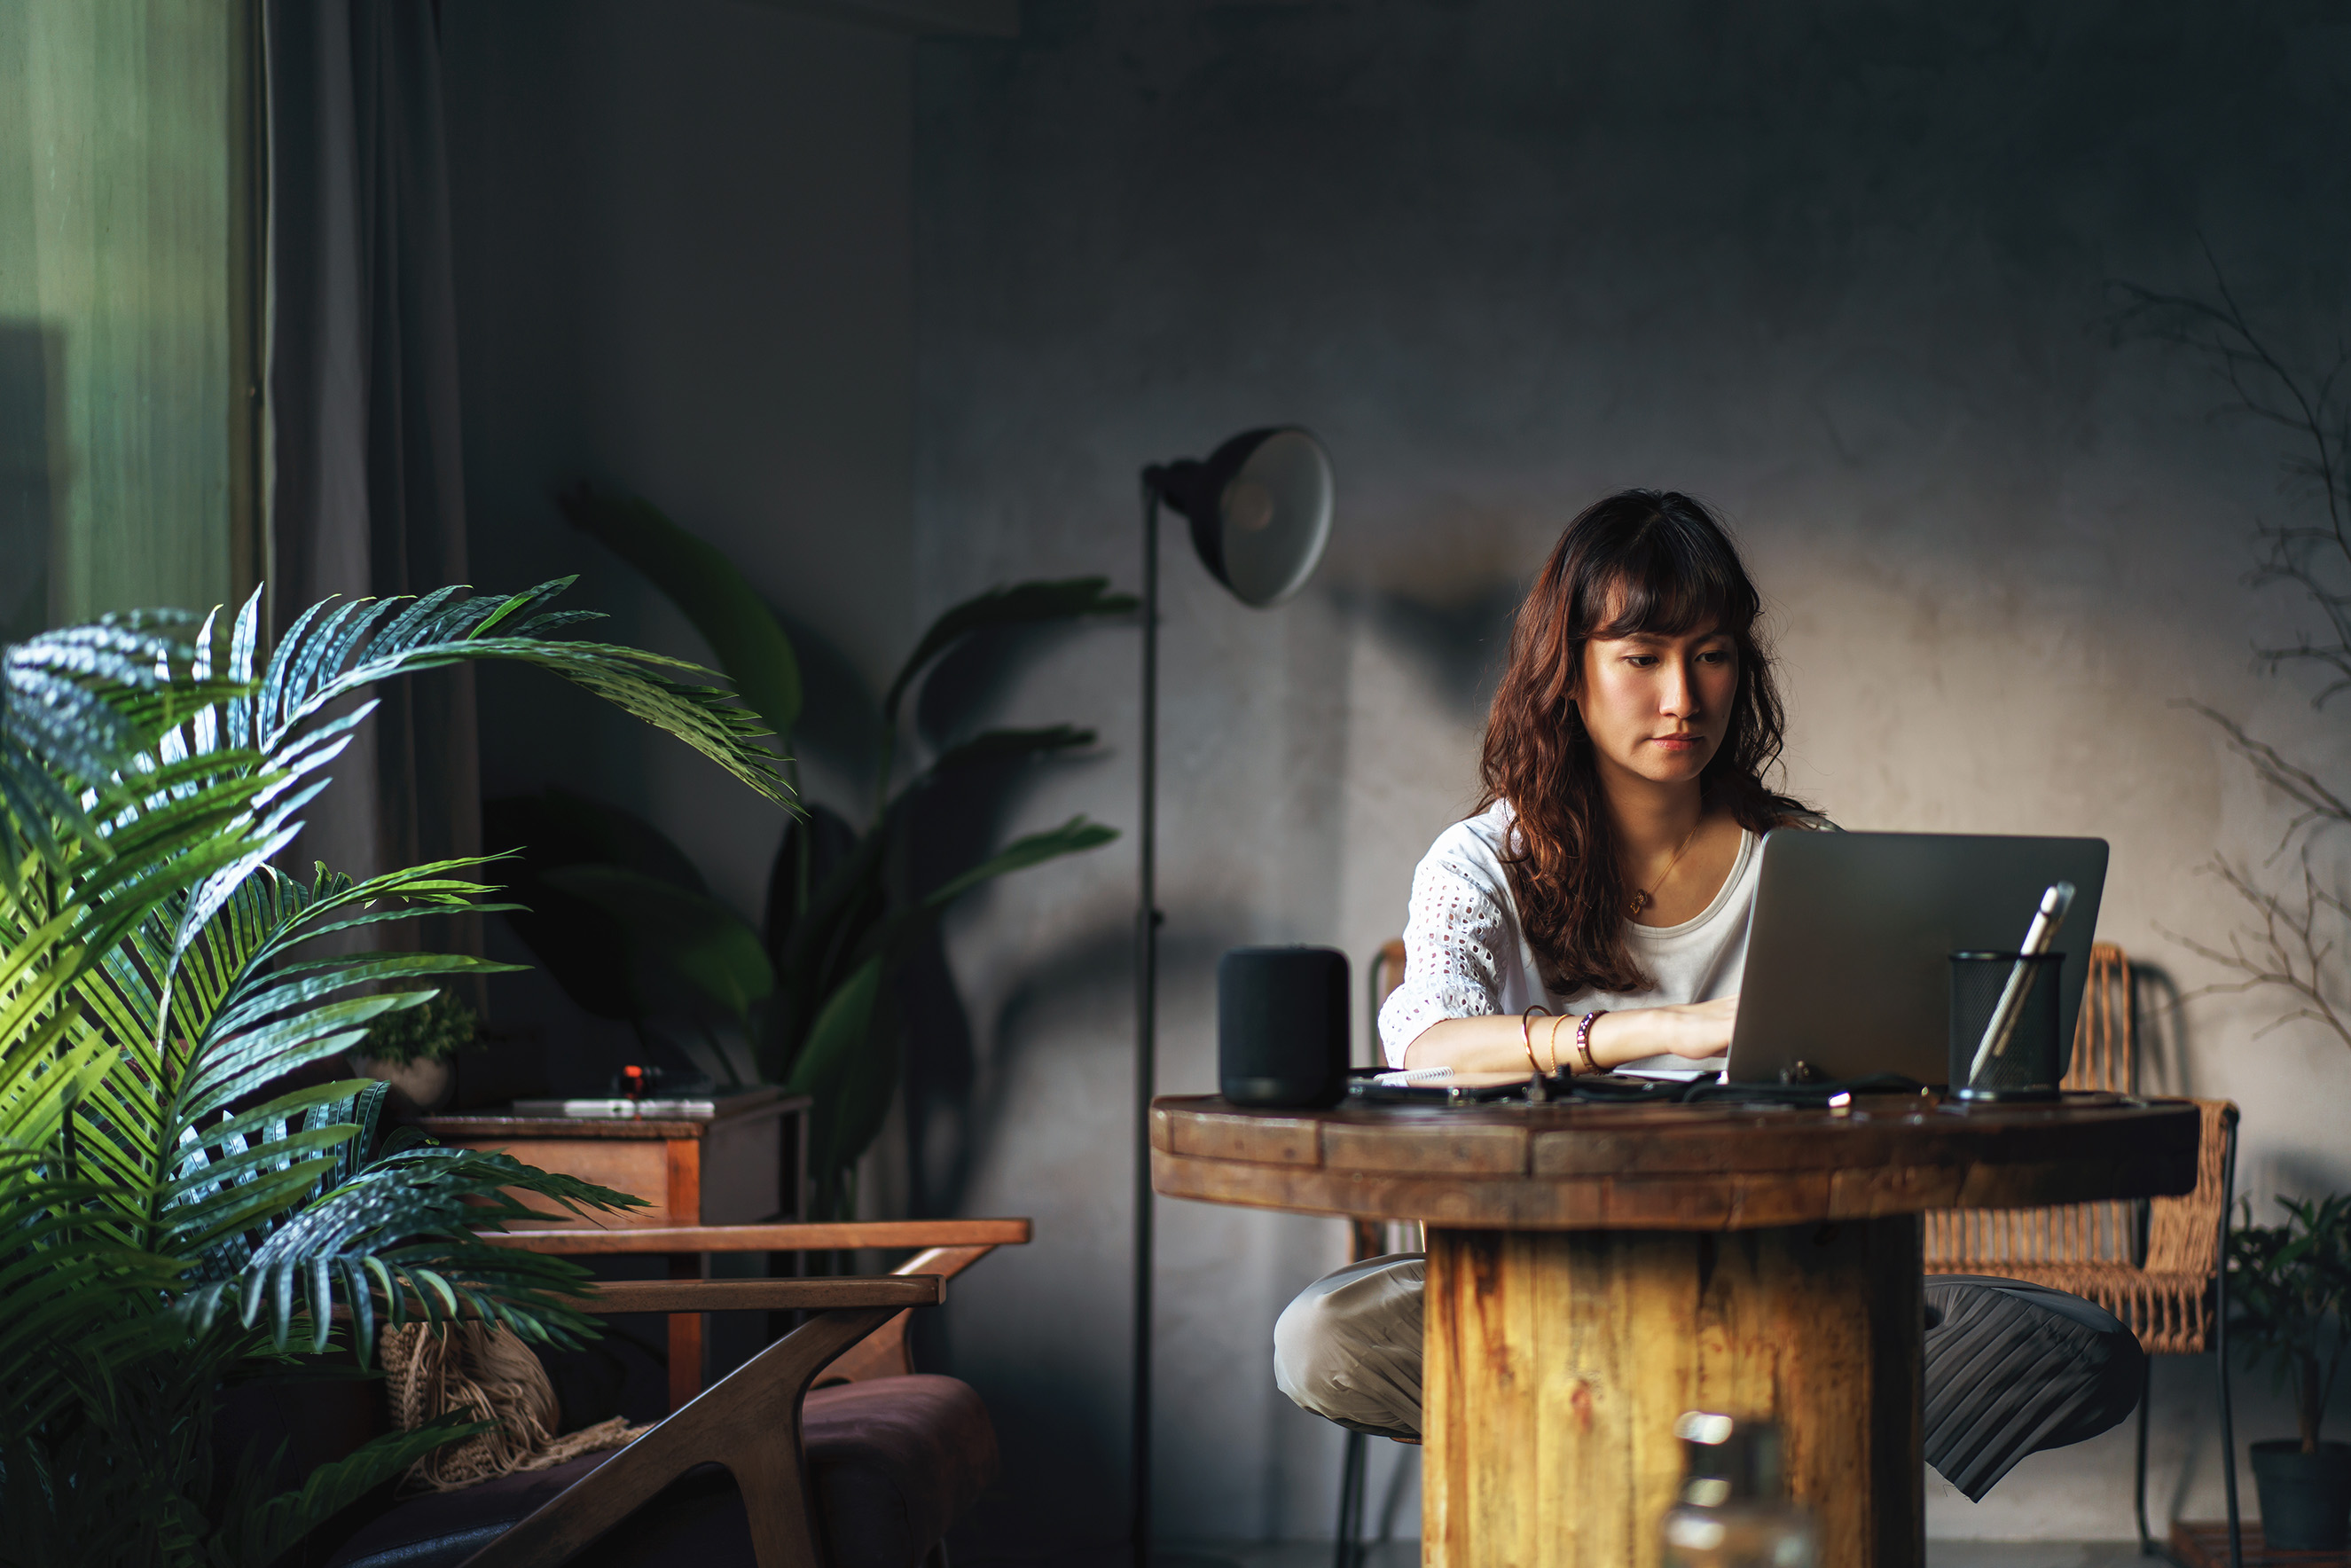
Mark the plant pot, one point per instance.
(416, 1086)
(2305, 1498)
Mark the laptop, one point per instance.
(1849, 941)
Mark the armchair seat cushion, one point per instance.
(894, 1462)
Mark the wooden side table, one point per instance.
(746, 1165)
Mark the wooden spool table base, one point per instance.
(1596, 1270)
(1559, 1360)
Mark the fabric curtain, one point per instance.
(368, 494)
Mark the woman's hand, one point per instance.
(1693, 1030)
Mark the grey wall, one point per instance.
(683, 269)
(1838, 267)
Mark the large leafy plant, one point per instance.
(2290, 1291)
(170, 1220)
(621, 917)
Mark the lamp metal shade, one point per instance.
(1259, 510)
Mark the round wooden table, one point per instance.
(1594, 1270)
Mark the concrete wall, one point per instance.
(683, 269)
(1841, 268)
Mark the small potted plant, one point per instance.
(412, 1047)
(2290, 1286)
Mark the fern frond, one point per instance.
(400, 1237)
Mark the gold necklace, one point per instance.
(1641, 900)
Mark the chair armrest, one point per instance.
(769, 1238)
(948, 1246)
(761, 1295)
(891, 1292)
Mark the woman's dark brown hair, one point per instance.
(1641, 560)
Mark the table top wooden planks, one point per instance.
(1575, 1167)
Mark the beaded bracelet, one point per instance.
(1584, 1038)
(1527, 1033)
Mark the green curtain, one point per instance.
(127, 306)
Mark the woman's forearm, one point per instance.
(1496, 1044)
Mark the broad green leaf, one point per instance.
(1022, 604)
(752, 648)
(842, 1031)
(692, 936)
(1073, 836)
(997, 745)
(577, 945)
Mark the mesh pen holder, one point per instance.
(2005, 1026)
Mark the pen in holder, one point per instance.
(2004, 1025)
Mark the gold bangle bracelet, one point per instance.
(1527, 1033)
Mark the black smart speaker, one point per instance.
(1281, 1026)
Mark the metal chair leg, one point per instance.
(1350, 1552)
(2221, 1345)
(2146, 1394)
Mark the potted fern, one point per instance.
(169, 1219)
(412, 1050)
(2290, 1286)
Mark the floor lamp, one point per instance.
(1260, 509)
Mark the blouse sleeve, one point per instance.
(1456, 932)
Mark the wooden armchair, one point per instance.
(824, 1451)
(2170, 1290)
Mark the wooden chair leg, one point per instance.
(685, 1337)
(748, 1421)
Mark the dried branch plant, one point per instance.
(2288, 952)
(2285, 949)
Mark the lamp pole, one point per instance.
(1146, 1017)
(1272, 486)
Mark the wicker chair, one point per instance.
(2172, 1292)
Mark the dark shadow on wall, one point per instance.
(967, 689)
(1459, 642)
(955, 825)
(2159, 1029)
(32, 365)
(1064, 1446)
(838, 708)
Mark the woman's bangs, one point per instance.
(1662, 591)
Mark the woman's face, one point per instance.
(1659, 706)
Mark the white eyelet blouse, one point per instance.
(1465, 956)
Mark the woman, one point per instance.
(1593, 917)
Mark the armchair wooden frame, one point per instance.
(858, 1330)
